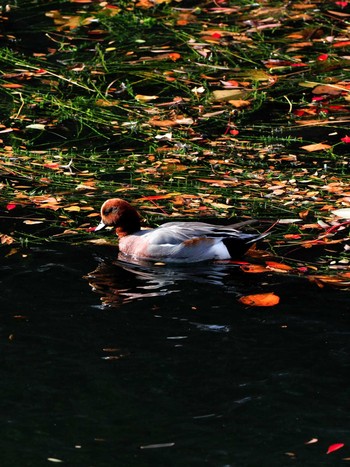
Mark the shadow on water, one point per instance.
(170, 369)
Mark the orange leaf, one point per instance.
(260, 299)
(6, 239)
(278, 266)
(12, 85)
(316, 147)
(174, 56)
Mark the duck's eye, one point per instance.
(110, 210)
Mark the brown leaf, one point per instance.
(327, 89)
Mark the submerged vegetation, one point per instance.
(188, 109)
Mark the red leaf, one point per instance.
(346, 139)
(341, 44)
(234, 132)
(322, 57)
(334, 447)
(11, 206)
(216, 35)
(342, 4)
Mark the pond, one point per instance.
(212, 111)
(105, 363)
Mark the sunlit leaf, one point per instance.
(31, 222)
(264, 299)
(36, 126)
(278, 266)
(316, 147)
(143, 98)
(73, 208)
(228, 94)
(343, 213)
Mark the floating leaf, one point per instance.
(72, 208)
(327, 89)
(253, 268)
(228, 94)
(278, 266)
(261, 299)
(340, 280)
(312, 441)
(6, 239)
(143, 98)
(316, 147)
(344, 213)
(36, 126)
(335, 447)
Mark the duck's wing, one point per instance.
(178, 232)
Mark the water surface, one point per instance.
(105, 363)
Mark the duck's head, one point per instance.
(121, 215)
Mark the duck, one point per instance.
(173, 242)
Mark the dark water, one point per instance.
(173, 371)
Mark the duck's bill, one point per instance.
(100, 226)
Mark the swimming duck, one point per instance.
(175, 242)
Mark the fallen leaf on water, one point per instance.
(343, 213)
(6, 239)
(142, 97)
(312, 441)
(12, 85)
(72, 208)
(327, 89)
(228, 94)
(36, 126)
(30, 222)
(335, 447)
(278, 266)
(340, 280)
(253, 268)
(316, 147)
(260, 299)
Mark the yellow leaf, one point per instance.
(72, 208)
(228, 94)
(143, 98)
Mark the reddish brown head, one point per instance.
(121, 215)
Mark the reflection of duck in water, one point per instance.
(175, 242)
(121, 282)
